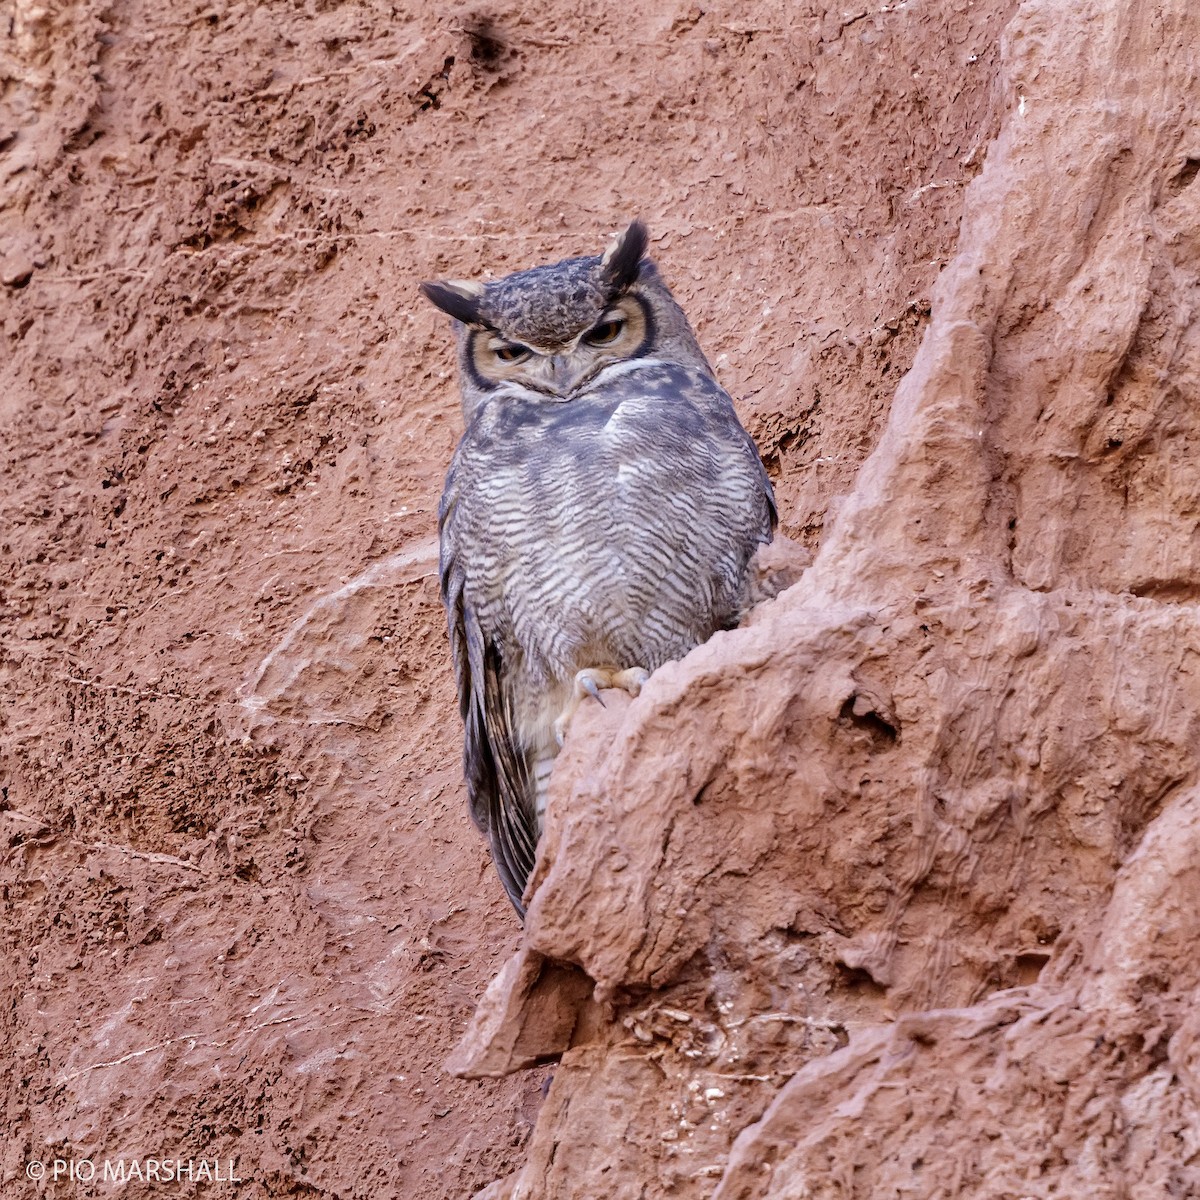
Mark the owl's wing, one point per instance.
(499, 786)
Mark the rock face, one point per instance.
(893, 891)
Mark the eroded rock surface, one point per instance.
(898, 888)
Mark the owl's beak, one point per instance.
(562, 374)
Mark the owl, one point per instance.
(598, 519)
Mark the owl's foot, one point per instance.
(589, 682)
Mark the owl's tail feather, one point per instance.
(496, 765)
(512, 821)
(543, 764)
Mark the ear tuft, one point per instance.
(458, 297)
(623, 256)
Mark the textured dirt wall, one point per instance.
(245, 914)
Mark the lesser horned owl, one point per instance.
(599, 515)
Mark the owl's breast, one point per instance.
(610, 529)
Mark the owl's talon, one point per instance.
(631, 680)
(589, 682)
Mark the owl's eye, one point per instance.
(512, 353)
(605, 332)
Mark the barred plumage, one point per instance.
(598, 518)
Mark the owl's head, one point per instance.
(554, 329)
